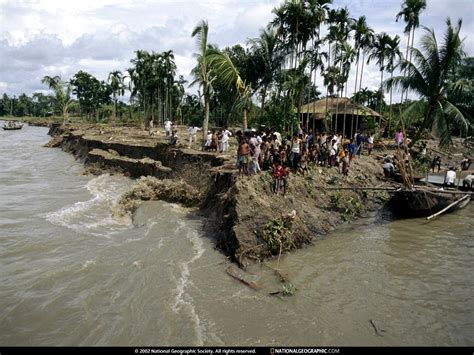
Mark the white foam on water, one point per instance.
(93, 216)
(87, 264)
(182, 299)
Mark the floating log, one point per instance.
(239, 277)
(448, 207)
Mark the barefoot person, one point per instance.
(243, 156)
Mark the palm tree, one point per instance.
(227, 73)
(62, 92)
(393, 55)
(380, 52)
(318, 10)
(410, 12)
(115, 80)
(266, 47)
(428, 76)
(202, 71)
(363, 38)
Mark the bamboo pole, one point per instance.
(448, 207)
(357, 188)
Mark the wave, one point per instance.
(94, 216)
(181, 299)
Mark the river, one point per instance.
(72, 275)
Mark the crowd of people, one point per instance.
(267, 150)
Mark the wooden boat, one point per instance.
(422, 202)
(12, 128)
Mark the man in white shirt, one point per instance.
(192, 130)
(450, 178)
(225, 140)
(168, 127)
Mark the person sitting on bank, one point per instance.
(450, 179)
(174, 137)
(388, 168)
(465, 163)
(468, 182)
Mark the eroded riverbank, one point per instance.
(71, 275)
(247, 220)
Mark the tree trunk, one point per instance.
(264, 94)
(244, 118)
(390, 114)
(354, 101)
(381, 96)
(115, 108)
(411, 53)
(360, 88)
(205, 122)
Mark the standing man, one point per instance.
(168, 128)
(360, 143)
(225, 139)
(192, 130)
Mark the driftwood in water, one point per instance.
(372, 322)
(448, 207)
(238, 276)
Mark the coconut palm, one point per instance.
(317, 11)
(363, 38)
(115, 81)
(427, 76)
(227, 73)
(410, 13)
(393, 56)
(267, 49)
(62, 93)
(380, 52)
(202, 71)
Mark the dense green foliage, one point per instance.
(266, 82)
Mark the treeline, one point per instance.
(308, 50)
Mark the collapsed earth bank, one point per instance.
(245, 218)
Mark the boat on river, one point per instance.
(12, 126)
(424, 201)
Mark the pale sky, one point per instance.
(49, 37)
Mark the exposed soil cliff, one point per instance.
(246, 218)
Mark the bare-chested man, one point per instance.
(243, 156)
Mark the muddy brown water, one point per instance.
(72, 275)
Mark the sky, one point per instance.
(49, 37)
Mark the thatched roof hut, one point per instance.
(344, 116)
(317, 109)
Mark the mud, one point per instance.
(246, 219)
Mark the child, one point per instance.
(370, 143)
(278, 175)
(345, 164)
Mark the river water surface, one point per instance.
(72, 275)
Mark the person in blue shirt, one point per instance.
(360, 143)
(352, 148)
